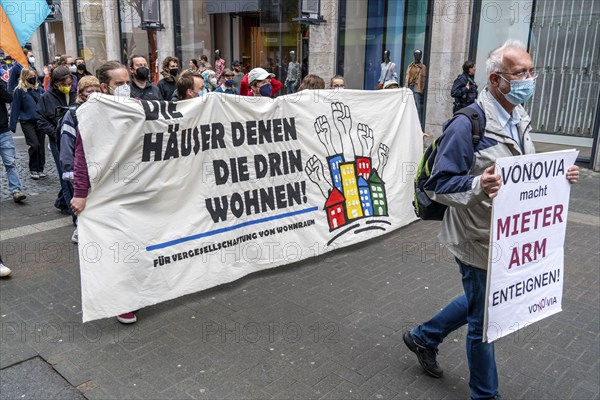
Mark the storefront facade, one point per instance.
(348, 37)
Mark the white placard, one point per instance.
(529, 219)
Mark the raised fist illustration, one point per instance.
(333, 145)
(343, 123)
(383, 153)
(315, 171)
(365, 136)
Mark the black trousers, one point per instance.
(36, 141)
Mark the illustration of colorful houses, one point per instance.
(350, 191)
(364, 191)
(334, 168)
(378, 194)
(335, 208)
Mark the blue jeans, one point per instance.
(466, 309)
(9, 159)
(63, 199)
(290, 86)
(418, 97)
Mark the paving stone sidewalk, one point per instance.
(328, 327)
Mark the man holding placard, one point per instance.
(465, 179)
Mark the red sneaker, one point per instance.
(127, 318)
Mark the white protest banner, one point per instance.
(529, 220)
(186, 196)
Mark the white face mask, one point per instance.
(73, 69)
(31, 60)
(213, 81)
(122, 91)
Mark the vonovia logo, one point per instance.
(542, 304)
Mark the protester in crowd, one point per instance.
(16, 68)
(228, 85)
(260, 82)
(114, 80)
(464, 178)
(141, 87)
(81, 69)
(312, 81)
(391, 84)
(245, 89)
(210, 80)
(47, 74)
(23, 109)
(170, 70)
(193, 65)
(238, 75)
(69, 62)
(87, 86)
(337, 82)
(4, 270)
(190, 85)
(219, 66)
(204, 64)
(7, 148)
(59, 95)
(464, 88)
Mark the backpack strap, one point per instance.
(477, 126)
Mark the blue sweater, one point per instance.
(24, 106)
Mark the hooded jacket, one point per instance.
(455, 180)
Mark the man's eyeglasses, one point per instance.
(532, 73)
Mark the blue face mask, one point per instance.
(202, 92)
(266, 90)
(520, 90)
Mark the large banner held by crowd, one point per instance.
(189, 195)
(529, 220)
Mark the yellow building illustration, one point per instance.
(350, 186)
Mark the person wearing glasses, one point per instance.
(337, 82)
(464, 178)
(228, 85)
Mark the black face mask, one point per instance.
(174, 71)
(32, 81)
(81, 67)
(142, 73)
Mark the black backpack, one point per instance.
(428, 209)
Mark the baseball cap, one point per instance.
(258, 74)
(236, 63)
(389, 83)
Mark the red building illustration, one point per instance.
(336, 215)
(363, 167)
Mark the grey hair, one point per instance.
(495, 59)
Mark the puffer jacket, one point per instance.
(455, 179)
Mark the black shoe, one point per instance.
(425, 355)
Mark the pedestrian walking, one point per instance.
(464, 88)
(114, 80)
(23, 110)
(60, 94)
(141, 87)
(68, 132)
(464, 178)
(170, 70)
(7, 147)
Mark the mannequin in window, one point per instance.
(219, 66)
(293, 74)
(415, 81)
(388, 70)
